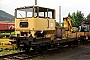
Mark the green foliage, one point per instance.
(40, 57)
(62, 25)
(5, 52)
(69, 15)
(57, 24)
(76, 17)
(5, 16)
(7, 32)
(88, 16)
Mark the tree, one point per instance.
(69, 15)
(88, 16)
(76, 18)
(57, 24)
(62, 25)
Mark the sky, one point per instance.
(66, 6)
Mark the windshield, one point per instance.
(24, 13)
(30, 12)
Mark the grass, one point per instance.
(41, 56)
(7, 33)
(5, 52)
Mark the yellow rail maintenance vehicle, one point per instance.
(35, 28)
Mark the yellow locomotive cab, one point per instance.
(34, 18)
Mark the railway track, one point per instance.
(23, 55)
(28, 55)
(19, 56)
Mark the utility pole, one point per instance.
(59, 15)
(35, 2)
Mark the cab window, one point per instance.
(42, 12)
(24, 13)
(51, 14)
